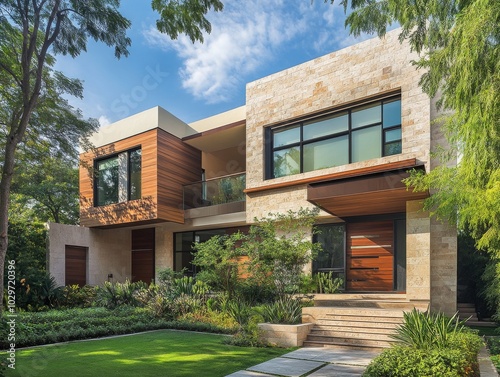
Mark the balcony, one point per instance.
(215, 196)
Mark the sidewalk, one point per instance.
(313, 362)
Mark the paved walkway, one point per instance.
(313, 362)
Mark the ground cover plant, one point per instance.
(494, 347)
(159, 353)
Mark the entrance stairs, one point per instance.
(361, 321)
(467, 312)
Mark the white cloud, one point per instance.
(243, 38)
(104, 121)
(247, 35)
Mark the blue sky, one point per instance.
(249, 40)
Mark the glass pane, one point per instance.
(326, 153)
(135, 174)
(286, 136)
(184, 241)
(325, 126)
(286, 162)
(107, 181)
(331, 238)
(392, 148)
(366, 115)
(393, 135)
(366, 143)
(392, 113)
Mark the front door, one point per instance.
(370, 256)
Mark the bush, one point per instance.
(403, 361)
(74, 296)
(112, 295)
(426, 330)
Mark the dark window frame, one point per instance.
(270, 131)
(96, 174)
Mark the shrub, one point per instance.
(239, 311)
(112, 295)
(74, 296)
(425, 330)
(286, 310)
(405, 361)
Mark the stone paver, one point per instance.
(334, 355)
(247, 373)
(284, 366)
(339, 370)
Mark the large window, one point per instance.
(118, 178)
(360, 133)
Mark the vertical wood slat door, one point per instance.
(143, 255)
(370, 256)
(75, 265)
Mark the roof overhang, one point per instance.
(370, 194)
(228, 136)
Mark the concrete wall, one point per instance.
(108, 252)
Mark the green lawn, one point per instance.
(159, 353)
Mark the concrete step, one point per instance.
(327, 322)
(348, 327)
(461, 305)
(347, 341)
(351, 334)
(376, 304)
(369, 348)
(477, 323)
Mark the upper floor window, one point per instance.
(361, 133)
(118, 178)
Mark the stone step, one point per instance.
(358, 347)
(348, 341)
(462, 305)
(351, 334)
(376, 304)
(360, 296)
(346, 327)
(481, 323)
(326, 322)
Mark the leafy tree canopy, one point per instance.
(458, 43)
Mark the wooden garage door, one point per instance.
(76, 265)
(370, 256)
(143, 255)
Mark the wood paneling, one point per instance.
(178, 164)
(374, 194)
(143, 255)
(167, 165)
(370, 256)
(405, 164)
(75, 265)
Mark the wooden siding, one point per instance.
(370, 256)
(179, 164)
(143, 255)
(75, 265)
(167, 164)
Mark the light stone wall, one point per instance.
(164, 249)
(352, 74)
(418, 242)
(108, 252)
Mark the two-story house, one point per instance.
(339, 132)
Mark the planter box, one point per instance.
(285, 335)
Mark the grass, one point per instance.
(494, 347)
(158, 353)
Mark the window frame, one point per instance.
(128, 152)
(269, 132)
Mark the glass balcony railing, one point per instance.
(227, 189)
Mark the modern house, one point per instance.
(339, 132)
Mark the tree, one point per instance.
(458, 44)
(31, 34)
